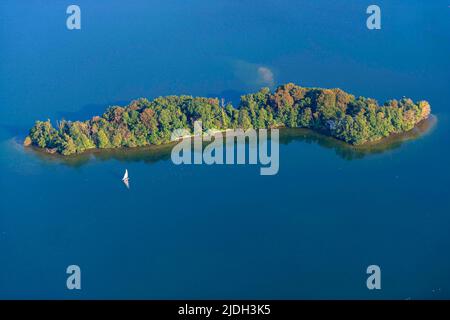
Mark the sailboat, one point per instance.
(125, 179)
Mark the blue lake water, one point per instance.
(223, 231)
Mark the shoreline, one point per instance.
(422, 128)
(431, 121)
(358, 121)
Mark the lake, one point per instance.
(223, 231)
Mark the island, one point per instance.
(332, 112)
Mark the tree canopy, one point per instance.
(143, 122)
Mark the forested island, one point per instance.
(329, 111)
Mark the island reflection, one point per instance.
(152, 154)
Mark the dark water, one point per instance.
(223, 231)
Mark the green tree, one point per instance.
(145, 122)
(103, 140)
(262, 119)
(244, 119)
(305, 118)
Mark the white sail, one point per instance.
(125, 179)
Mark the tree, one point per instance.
(262, 119)
(145, 122)
(425, 109)
(117, 140)
(103, 141)
(68, 146)
(27, 142)
(244, 119)
(305, 118)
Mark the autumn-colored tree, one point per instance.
(143, 122)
